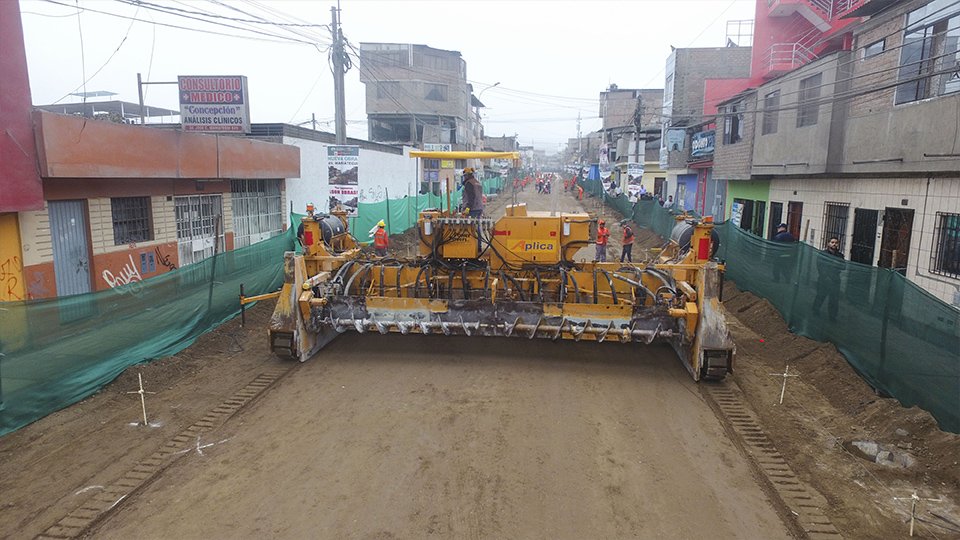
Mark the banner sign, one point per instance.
(635, 169)
(215, 104)
(676, 140)
(343, 165)
(736, 213)
(701, 144)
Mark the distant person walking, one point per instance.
(828, 278)
(627, 251)
(783, 265)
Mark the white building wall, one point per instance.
(379, 174)
(924, 196)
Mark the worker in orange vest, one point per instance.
(603, 234)
(579, 192)
(627, 243)
(381, 240)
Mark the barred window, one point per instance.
(945, 259)
(835, 215)
(771, 113)
(131, 220)
(808, 111)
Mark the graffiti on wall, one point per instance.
(165, 260)
(128, 275)
(11, 272)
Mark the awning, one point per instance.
(464, 155)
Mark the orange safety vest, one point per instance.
(602, 234)
(380, 238)
(627, 236)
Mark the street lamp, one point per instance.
(487, 88)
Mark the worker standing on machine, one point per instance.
(381, 240)
(627, 251)
(603, 234)
(472, 193)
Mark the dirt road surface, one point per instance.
(408, 437)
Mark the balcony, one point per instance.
(820, 13)
(782, 58)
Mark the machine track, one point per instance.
(800, 504)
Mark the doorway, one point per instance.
(895, 246)
(776, 218)
(794, 217)
(864, 235)
(71, 246)
(658, 187)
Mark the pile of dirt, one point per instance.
(827, 409)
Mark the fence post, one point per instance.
(386, 193)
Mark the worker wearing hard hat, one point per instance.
(603, 233)
(472, 193)
(381, 240)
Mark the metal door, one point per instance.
(199, 227)
(71, 246)
(794, 217)
(776, 218)
(759, 209)
(895, 246)
(864, 235)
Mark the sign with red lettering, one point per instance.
(214, 103)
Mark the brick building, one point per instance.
(857, 144)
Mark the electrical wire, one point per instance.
(86, 80)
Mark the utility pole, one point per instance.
(313, 119)
(341, 109)
(579, 141)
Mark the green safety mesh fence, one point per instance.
(58, 351)
(904, 341)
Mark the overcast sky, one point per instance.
(551, 58)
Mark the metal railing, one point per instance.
(830, 8)
(792, 54)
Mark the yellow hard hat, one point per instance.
(468, 170)
(381, 224)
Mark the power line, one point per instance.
(279, 39)
(83, 62)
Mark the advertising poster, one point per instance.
(215, 104)
(343, 165)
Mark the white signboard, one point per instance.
(343, 167)
(429, 147)
(635, 169)
(215, 103)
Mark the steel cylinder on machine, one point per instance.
(682, 233)
(330, 227)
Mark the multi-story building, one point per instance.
(856, 144)
(417, 95)
(694, 80)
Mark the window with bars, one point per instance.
(771, 113)
(835, 215)
(945, 259)
(131, 220)
(257, 210)
(808, 111)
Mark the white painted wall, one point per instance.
(925, 197)
(379, 174)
